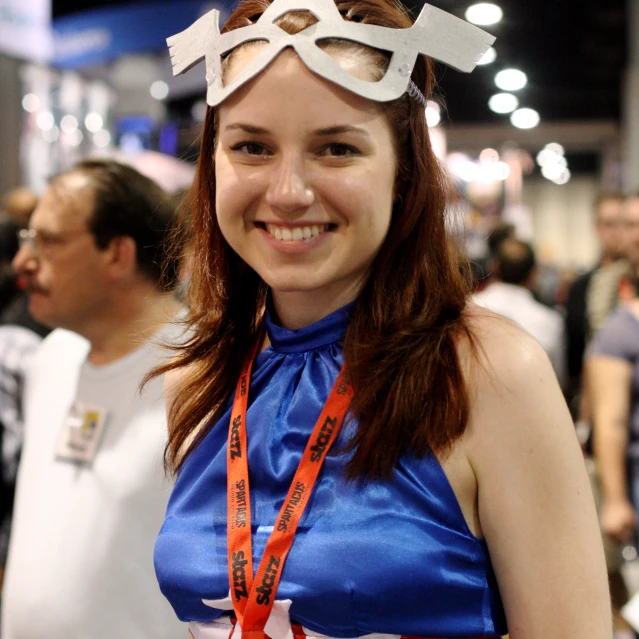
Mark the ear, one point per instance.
(121, 254)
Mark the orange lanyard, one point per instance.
(253, 599)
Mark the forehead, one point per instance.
(609, 208)
(287, 82)
(66, 204)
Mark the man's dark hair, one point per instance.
(127, 203)
(501, 232)
(515, 261)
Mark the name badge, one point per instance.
(81, 432)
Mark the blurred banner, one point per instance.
(100, 35)
(25, 29)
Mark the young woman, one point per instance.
(455, 483)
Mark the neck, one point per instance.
(130, 322)
(302, 308)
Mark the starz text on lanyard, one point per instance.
(253, 598)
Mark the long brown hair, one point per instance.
(400, 345)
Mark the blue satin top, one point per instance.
(392, 557)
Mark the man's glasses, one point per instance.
(44, 241)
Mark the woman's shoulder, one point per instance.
(497, 353)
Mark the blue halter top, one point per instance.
(392, 557)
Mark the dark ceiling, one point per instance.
(573, 52)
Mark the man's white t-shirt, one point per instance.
(81, 554)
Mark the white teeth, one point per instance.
(296, 234)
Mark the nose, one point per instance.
(24, 260)
(288, 188)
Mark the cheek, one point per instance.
(234, 194)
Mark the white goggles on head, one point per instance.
(435, 34)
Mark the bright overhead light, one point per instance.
(159, 90)
(433, 114)
(489, 155)
(45, 121)
(93, 122)
(484, 14)
(31, 102)
(555, 148)
(525, 118)
(469, 172)
(69, 123)
(489, 57)
(503, 103)
(563, 178)
(511, 80)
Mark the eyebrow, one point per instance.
(331, 130)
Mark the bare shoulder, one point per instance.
(515, 399)
(502, 357)
(532, 487)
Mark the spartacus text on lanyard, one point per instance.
(253, 598)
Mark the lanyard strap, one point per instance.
(253, 599)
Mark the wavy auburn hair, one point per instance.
(400, 346)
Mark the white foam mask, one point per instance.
(435, 34)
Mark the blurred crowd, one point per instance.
(589, 326)
(89, 261)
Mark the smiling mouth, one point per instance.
(295, 233)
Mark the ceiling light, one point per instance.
(45, 121)
(484, 14)
(159, 90)
(511, 80)
(553, 147)
(489, 57)
(433, 114)
(525, 118)
(93, 122)
(503, 103)
(31, 102)
(489, 155)
(469, 172)
(69, 123)
(564, 178)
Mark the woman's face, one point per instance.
(304, 176)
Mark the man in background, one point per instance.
(510, 294)
(20, 335)
(91, 491)
(609, 229)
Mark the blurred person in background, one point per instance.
(612, 386)
(610, 400)
(17, 205)
(20, 335)
(510, 294)
(484, 270)
(91, 491)
(609, 229)
(615, 283)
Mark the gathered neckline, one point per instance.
(327, 331)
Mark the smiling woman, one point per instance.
(387, 452)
